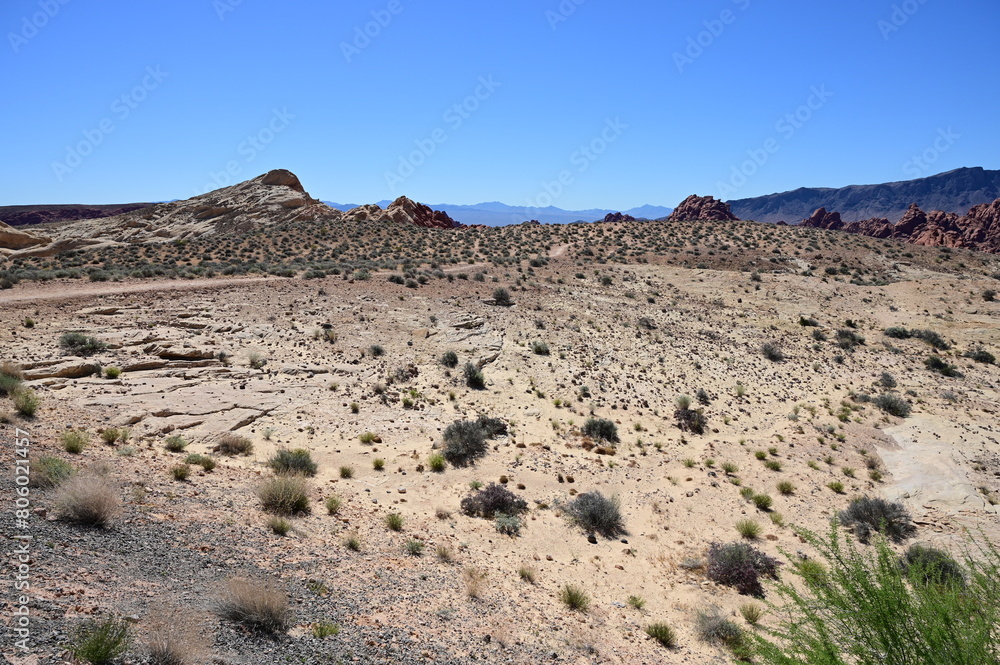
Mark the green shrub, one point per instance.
(663, 634)
(937, 364)
(298, 461)
(26, 401)
(204, 461)
(464, 442)
(867, 514)
(981, 356)
(865, 613)
(414, 547)
(101, 641)
(284, 495)
(74, 441)
(923, 564)
(508, 525)
(11, 377)
(474, 377)
(449, 359)
(333, 504)
(713, 628)
(595, 513)
(574, 598)
(836, 486)
(436, 463)
(50, 471)
(394, 521)
(175, 443)
(601, 429)
(893, 404)
(180, 472)
(347, 472)
(378, 464)
(78, 344)
(279, 525)
(786, 488)
(897, 332)
(324, 629)
(762, 501)
(112, 372)
(501, 296)
(540, 348)
(751, 613)
(932, 338)
(748, 529)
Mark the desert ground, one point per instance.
(348, 366)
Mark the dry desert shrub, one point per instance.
(175, 637)
(260, 606)
(89, 499)
(233, 444)
(285, 495)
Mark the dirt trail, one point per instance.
(34, 291)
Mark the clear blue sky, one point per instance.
(199, 77)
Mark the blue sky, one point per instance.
(581, 104)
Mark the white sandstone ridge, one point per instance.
(12, 239)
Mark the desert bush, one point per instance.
(981, 356)
(848, 339)
(897, 332)
(298, 461)
(464, 442)
(772, 351)
(474, 378)
(26, 401)
(575, 598)
(491, 500)
(436, 463)
(741, 566)
(346, 472)
(333, 504)
(932, 338)
(866, 613)
(492, 427)
(887, 381)
(279, 525)
(893, 404)
(101, 641)
(78, 344)
(501, 296)
(284, 495)
(324, 629)
(376, 351)
(260, 606)
(923, 564)
(449, 359)
(691, 420)
(762, 501)
(713, 628)
(11, 377)
(180, 471)
(204, 461)
(172, 637)
(937, 364)
(88, 499)
(508, 525)
(540, 348)
(414, 547)
(868, 514)
(808, 322)
(112, 372)
(751, 613)
(378, 464)
(49, 472)
(663, 634)
(601, 429)
(786, 488)
(74, 441)
(394, 522)
(596, 513)
(748, 529)
(233, 444)
(175, 443)
(836, 486)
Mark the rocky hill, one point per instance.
(979, 229)
(46, 214)
(271, 199)
(701, 208)
(954, 192)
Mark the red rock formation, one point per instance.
(409, 211)
(821, 219)
(978, 230)
(695, 208)
(617, 217)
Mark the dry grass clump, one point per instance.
(260, 606)
(88, 499)
(285, 495)
(174, 637)
(233, 444)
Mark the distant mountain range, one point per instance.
(495, 213)
(954, 191)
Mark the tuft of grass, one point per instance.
(101, 641)
(324, 629)
(49, 472)
(346, 472)
(713, 628)
(353, 542)
(751, 613)
(333, 504)
(394, 522)
(748, 529)
(527, 574)
(74, 441)
(836, 486)
(293, 462)
(279, 525)
(436, 463)
(762, 501)
(204, 461)
(233, 445)
(26, 401)
(414, 547)
(575, 598)
(284, 495)
(772, 465)
(260, 606)
(663, 634)
(88, 499)
(378, 464)
(785, 488)
(180, 472)
(636, 602)
(112, 372)
(175, 443)
(474, 378)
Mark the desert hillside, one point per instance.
(702, 376)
